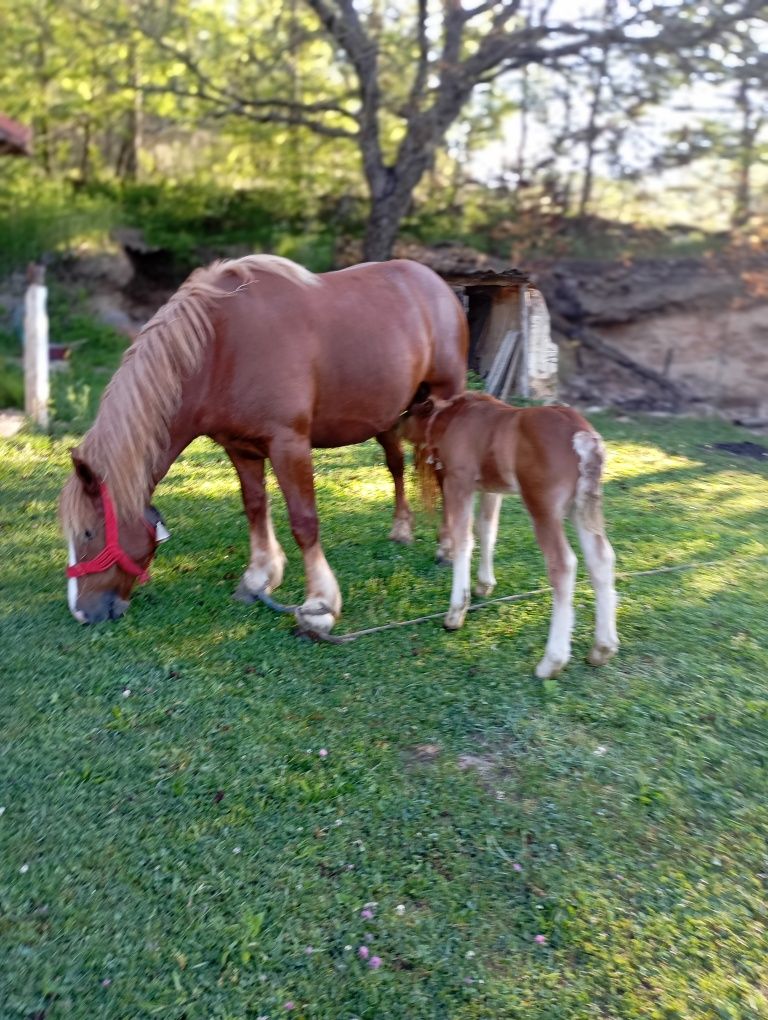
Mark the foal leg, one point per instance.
(488, 529)
(458, 504)
(402, 526)
(291, 458)
(444, 554)
(561, 568)
(445, 550)
(600, 560)
(265, 570)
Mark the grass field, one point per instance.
(204, 817)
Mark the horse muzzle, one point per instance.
(107, 606)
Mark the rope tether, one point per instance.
(342, 639)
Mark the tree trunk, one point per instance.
(130, 157)
(742, 205)
(387, 212)
(593, 130)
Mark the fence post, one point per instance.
(36, 389)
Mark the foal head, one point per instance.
(107, 556)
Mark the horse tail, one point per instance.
(589, 493)
(426, 478)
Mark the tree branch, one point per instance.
(594, 342)
(420, 78)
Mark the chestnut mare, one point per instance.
(554, 459)
(269, 360)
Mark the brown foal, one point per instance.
(554, 459)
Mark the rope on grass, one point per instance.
(343, 639)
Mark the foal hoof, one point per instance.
(442, 560)
(401, 532)
(482, 588)
(315, 616)
(549, 668)
(454, 619)
(600, 654)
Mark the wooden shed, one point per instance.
(511, 347)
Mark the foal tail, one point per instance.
(589, 494)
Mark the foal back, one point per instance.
(502, 449)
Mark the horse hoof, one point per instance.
(600, 654)
(244, 594)
(549, 668)
(316, 616)
(482, 589)
(401, 532)
(442, 560)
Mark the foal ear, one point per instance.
(88, 479)
(424, 409)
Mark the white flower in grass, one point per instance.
(24, 868)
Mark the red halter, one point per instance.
(112, 552)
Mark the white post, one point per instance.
(36, 347)
(540, 350)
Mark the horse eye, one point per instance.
(87, 535)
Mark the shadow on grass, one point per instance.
(184, 839)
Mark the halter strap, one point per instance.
(112, 553)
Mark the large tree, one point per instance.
(398, 76)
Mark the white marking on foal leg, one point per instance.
(600, 559)
(488, 528)
(561, 564)
(72, 587)
(462, 541)
(322, 606)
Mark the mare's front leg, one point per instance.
(402, 525)
(457, 496)
(291, 457)
(265, 570)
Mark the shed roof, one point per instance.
(15, 138)
(462, 266)
(485, 277)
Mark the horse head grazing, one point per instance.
(107, 556)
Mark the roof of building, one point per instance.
(15, 138)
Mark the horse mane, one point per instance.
(130, 433)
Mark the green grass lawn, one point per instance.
(174, 844)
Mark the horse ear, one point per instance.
(88, 479)
(155, 520)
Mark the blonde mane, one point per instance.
(130, 433)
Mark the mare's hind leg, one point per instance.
(402, 525)
(488, 529)
(458, 496)
(600, 559)
(561, 568)
(265, 570)
(291, 458)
